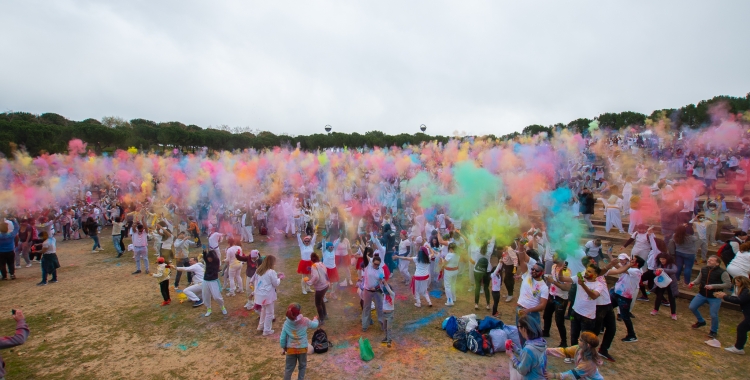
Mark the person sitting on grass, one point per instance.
(585, 357)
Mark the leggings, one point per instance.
(482, 280)
(8, 259)
(742, 330)
(495, 301)
(660, 296)
(164, 287)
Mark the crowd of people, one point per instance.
(471, 215)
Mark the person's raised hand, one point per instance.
(18, 316)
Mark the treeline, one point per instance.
(51, 132)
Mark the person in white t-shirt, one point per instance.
(625, 288)
(584, 306)
(497, 283)
(558, 302)
(234, 267)
(449, 263)
(534, 293)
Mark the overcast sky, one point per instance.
(293, 67)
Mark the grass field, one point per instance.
(102, 322)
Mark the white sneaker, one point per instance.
(350, 282)
(418, 305)
(325, 299)
(28, 265)
(18, 266)
(247, 305)
(304, 291)
(208, 313)
(734, 350)
(230, 294)
(449, 304)
(568, 360)
(223, 310)
(94, 251)
(508, 298)
(268, 333)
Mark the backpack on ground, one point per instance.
(263, 230)
(487, 348)
(474, 342)
(320, 341)
(489, 323)
(451, 326)
(461, 343)
(460, 325)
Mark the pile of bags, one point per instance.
(482, 338)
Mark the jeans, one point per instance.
(587, 219)
(66, 231)
(556, 306)
(624, 305)
(116, 243)
(320, 304)
(95, 238)
(291, 362)
(23, 250)
(182, 263)
(367, 298)
(481, 281)
(140, 253)
(713, 306)
(684, 264)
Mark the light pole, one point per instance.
(423, 128)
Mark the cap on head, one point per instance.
(160, 260)
(623, 256)
(254, 253)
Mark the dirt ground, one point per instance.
(100, 321)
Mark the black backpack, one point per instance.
(725, 252)
(320, 341)
(481, 265)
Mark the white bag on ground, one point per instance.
(498, 337)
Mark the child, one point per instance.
(294, 340)
(253, 262)
(497, 283)
(234, 267)
(162, 276)
(388, 303)
(49, 258)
